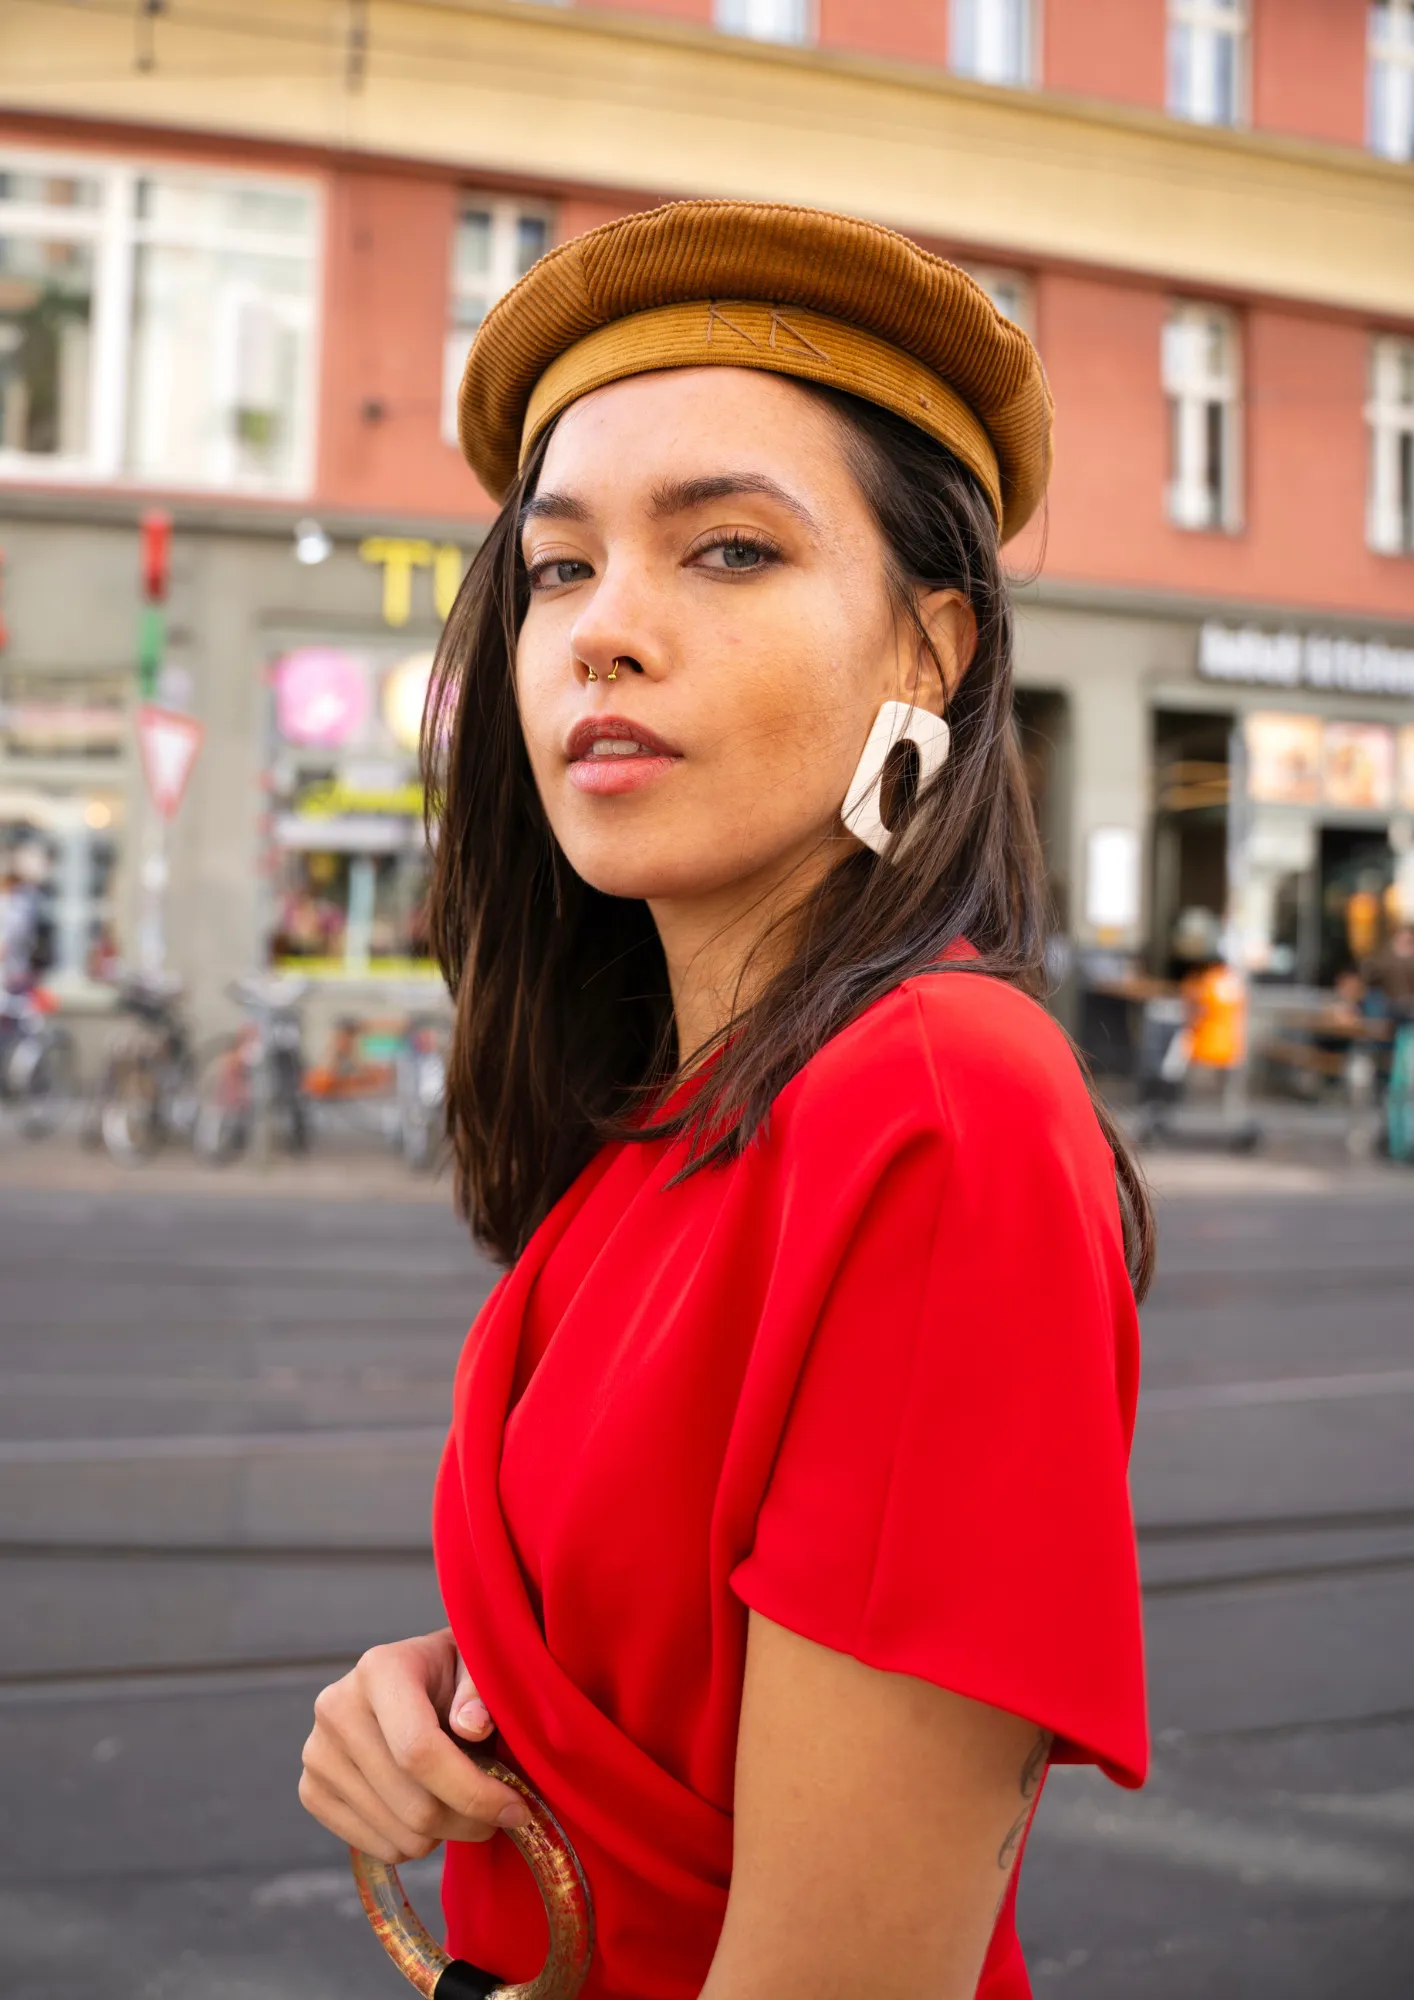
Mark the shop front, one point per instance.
(298, 846)
(346, 859)
(1213, 790)
(1284, 814)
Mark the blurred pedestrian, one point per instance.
(1216, 998)
(24, 941)
(1390, 973)
(783, 1528)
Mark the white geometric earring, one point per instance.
(897, 722)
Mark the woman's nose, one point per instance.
(612, 638)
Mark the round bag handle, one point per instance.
(563, 1890)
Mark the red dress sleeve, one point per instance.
(950, 1495)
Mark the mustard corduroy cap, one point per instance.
(794, 291)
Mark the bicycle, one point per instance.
(421, 1090)
(144, 1096)
(254, 1079)
(36, 1060)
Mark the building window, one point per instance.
(991, 40)
(1200, 371)
(1391, 418)
(1391, 87)
(765, 20)
(493, 244)
(221, 320)
(155, 326)
(1207, 60)
(1009, 291)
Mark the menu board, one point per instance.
(1284, 761)
(1301, 760)
(1359, 766)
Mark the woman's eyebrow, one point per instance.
(554, 507)
(678, 496)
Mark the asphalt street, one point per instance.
(219, 1416)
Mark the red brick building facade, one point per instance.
(1234, 388)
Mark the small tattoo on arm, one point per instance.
(1032, 1772)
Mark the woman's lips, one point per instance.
(608, 754)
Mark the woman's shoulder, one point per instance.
(947, 1035)
(955, 1056)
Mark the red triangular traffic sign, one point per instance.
(167, 744)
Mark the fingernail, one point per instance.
(514, 1814)
(473, 1716)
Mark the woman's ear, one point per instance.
(939, 666)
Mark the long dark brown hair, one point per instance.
(564, 1025)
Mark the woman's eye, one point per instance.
(738, 555)
(561, 569)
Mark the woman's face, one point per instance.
(702, 529)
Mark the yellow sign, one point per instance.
(399, 557)
(334, 798)
(375, 968)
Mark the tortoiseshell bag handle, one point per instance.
(563, 1890)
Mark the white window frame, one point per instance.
(1390, 79)
(1211, 21)
(1390, 415)
(1192, 389)
(97, 227)
(1011, 292)
(746, 19)
(980, 72)
(506, 213)
(117, 234)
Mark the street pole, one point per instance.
(1235, 940)
(155, 551)
(152, 881)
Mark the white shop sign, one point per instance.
(1245, 653)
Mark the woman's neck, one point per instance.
(723, 947)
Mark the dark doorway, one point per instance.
(1191, 752)
(1043, 728)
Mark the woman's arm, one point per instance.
(877, 1822)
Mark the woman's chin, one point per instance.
(637, 883)
(641, 868)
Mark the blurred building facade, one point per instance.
(241, 258)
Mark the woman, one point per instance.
(783, 1527)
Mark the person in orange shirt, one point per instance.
(1217, 1007)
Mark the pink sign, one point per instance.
(321, 696)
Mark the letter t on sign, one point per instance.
(399, 558)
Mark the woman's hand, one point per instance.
(380, 1770)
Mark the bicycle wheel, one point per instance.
(221, 1128)
(288, 1110)
(48, 1084)
(130, 1113)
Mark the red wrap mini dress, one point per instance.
(876, 1379)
